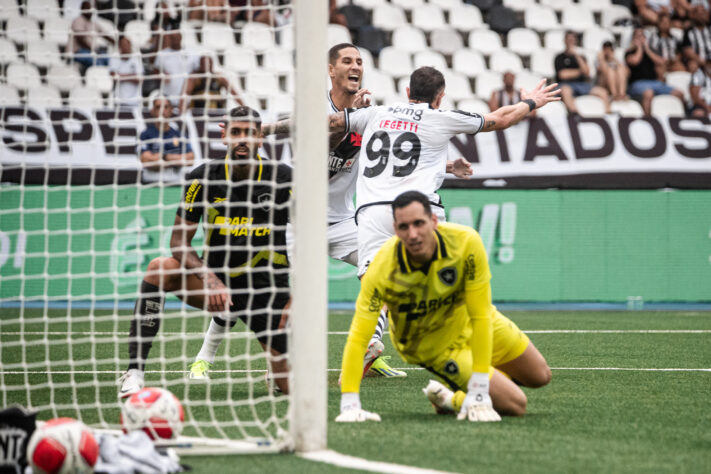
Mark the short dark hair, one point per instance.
(407, 198)
(243, 113)
(607, 44)
(335, 51)
(425, 83)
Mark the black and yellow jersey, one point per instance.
(244, 221)
(429, 307)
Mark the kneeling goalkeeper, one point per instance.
(243, 204)
(435, 280)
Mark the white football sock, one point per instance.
(213, 337)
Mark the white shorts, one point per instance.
(342, 240)
(375, 227)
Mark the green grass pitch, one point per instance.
(588, 419)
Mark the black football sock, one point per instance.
(144, 325)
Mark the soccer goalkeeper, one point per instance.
(434, 278)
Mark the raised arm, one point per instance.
(505, 117)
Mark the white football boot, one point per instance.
(131, 382)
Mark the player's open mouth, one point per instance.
(354, 78)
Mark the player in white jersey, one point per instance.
(404, 147)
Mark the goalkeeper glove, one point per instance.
(477, 404)
(352, 412)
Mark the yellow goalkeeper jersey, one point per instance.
(429, 307)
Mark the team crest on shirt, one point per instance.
(266, 201)
(451, 367)
(448, 275)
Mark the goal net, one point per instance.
(107, 108)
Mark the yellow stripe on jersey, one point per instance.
(276, 257)
(429, 307)
(227, 167)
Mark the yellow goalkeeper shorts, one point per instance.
(454, 365)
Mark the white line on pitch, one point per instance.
(243, 371)
(345, 333)
(351, 462)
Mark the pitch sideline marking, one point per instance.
(328, 456)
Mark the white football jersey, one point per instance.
(405, 148)
(342, 173)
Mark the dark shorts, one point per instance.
(579, 88)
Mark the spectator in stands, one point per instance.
(174, 64)
(573, 75)
(84, 38)
(203, 89)
(246, 10)
(334, 16)
(209, 10)
(696, 46)
(644, 64)
(165, 19)
(611, 73)
(700, 91)
(650, 11)
(506, 96)
(161, 144)
(118, 12)
(665, 45)
(127, 71)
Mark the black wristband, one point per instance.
(531, 104)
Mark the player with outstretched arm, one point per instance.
(435, 279)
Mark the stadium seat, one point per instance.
(402, 84)
(9, 9)
(447, 103)
(484, 5)
(22, 29)
(356, 15)
(64, 77)
(409, 38)
(367, 57)
(217, 36)
(257, 36)
(446, 41)
(395, 62)
(595, 36)
(595, 5)
(612, 14)
(262, 83)
(85, 98)
(557, 5)
(476, 106)
(429, 58)
(189, 31)
(99, 78)
(428, 17)
(487, 82)
(577, 18)
(393, 99)
(380, 85)
(627, 108)
(408, 4)
(369, 4)
(542, 63)
(338, 34)
(278, 60)
(138, 32)
(56, 30)
(552, 109)
(285, 36)
(554, 40)
(540, 18)
(517, 5)
(42, 9)
(23, 76)
(527, 80)
(371, 38)
(9, 95)
(679, 80)
(446, 4)
(523, 41)
(280, 104)
(504, 60)
(590, 106)
(43, 96)
(468, 62)
(667, 106)
(502, 19)
(109, 27)
(466, 18)
(42, 53)
(484, 41)
(8, 52)
(388, 17)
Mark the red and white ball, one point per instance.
(155, 411)
(62, 446)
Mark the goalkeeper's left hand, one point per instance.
(352, 412)
(477, 404)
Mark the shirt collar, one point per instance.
(404, 262)
(227, 167)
